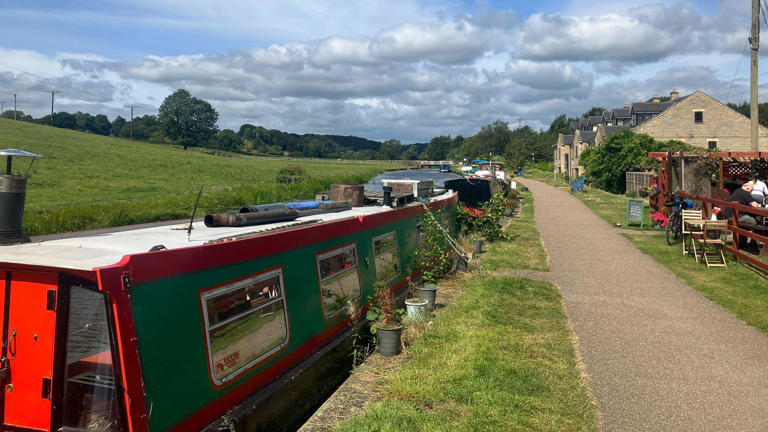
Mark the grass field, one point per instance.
(90, 181)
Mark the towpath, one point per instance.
(660, 356)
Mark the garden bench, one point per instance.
(578, 185)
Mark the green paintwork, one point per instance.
(170, 329)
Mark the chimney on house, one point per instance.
(626, 106)
(674, 94)
(640, 100)
(655, 98)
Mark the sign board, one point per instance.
(635, 211)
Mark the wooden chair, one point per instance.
(712, 243)
(691, 232)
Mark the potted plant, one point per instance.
(642, 191)
(415, 305)
(386, 320)
(477, 243)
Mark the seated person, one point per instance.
(743, 196)
(759, 190)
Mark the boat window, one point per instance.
(387, 257)
(339, 279)
(90, 398)
(245, 322)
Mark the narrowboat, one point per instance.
(157, 328)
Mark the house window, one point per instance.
(698, 116)
(387, 257)
(245, 322)
(339, 279)
(712, 144)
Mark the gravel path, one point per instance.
(661, 357)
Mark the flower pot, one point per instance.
(416, 308)
(643, 193)
(429, 293)
(477, 246)
(389, 340)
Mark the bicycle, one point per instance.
(674, 228)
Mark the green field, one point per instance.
(90, 181)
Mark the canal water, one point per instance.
(413, 174)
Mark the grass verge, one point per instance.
(524, 250)
(499, 358)
(737, 288)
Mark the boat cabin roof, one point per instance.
(89, 250)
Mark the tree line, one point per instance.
(191, 122)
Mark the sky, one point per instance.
(408, 70)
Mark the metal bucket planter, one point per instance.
(416, 308)
(429, 293)
(389, 340)
(477, 246)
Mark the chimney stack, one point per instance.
(640, 100)
(655, 98)
(13, 193)
(674, 94)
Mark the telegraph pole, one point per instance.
(14, 106)
(131, 107)
(2, 106)
(52, 92)
(754, 41)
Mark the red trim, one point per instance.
(208, 356)
(143, 266)
(339, 312)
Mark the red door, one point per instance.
(29, 327)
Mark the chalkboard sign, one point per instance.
(635, 211)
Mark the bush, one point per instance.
(485, 222)
(291, 174)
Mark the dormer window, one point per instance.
(698, 116)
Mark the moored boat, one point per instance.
(150, 328)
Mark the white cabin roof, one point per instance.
(93, 249)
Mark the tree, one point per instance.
(607, 164)
(411, 153)
(492, 138)
(594, 111)
(117, 125)
(101, 125)
(228, 140)
(438, 148)
(390, 149)
(188, 120)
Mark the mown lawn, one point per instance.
(90, 181)
(524, 249)
(738, 288)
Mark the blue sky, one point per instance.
(409, 70)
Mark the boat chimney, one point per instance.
(13, 193)
(387, 196)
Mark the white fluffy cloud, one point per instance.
(410, 78)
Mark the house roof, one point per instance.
(611, 130)
(650, 107)
(607, 115)
(575, 124)
(621, 112)
(588, 137)
(568, 140)
(593, 120)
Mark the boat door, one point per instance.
(28, 321)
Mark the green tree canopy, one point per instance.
(438, 148)
(607, 164)
(594, 111)
(187, 120)
(390, 149)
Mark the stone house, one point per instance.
(702, 121)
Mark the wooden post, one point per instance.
(722, 173)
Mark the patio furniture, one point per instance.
(712, 243)
(692, 227)
(578, 185)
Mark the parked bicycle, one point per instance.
(674, 229)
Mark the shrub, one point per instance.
(291, 174)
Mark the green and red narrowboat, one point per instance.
(145, 328)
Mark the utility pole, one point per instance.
(2, 106)
(52, 92)
(754, 41)
(131, 107)
(14, 106)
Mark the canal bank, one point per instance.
(499, 356)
